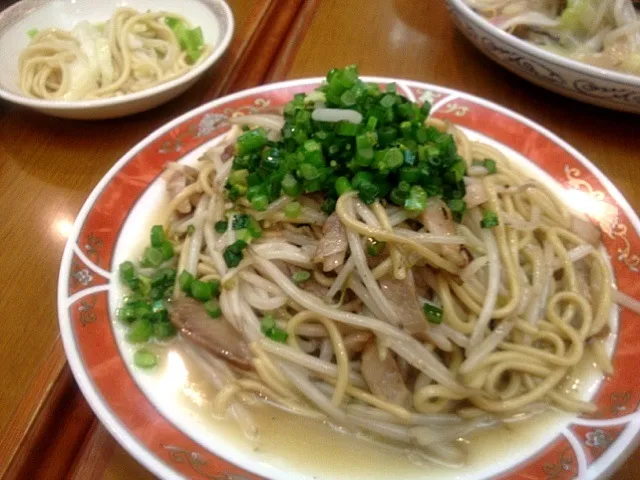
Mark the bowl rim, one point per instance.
(192, 74)
(606, 465)
(533, 50)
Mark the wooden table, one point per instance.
(49, 166)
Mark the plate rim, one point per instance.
(94, 398)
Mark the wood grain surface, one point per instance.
(49, 166)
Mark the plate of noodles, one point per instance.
(357, 278)
(585, 49)
(89, 59)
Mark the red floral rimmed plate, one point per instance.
(174, 446)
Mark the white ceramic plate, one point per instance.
(147, 413)
(213, 16)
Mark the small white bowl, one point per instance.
(213, 16)
(598, 86)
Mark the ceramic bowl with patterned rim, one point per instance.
(144, 415)
(587, 83)
(213, 16)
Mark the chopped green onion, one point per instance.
(233, 253)
(343, 185)
(241, 221)
(251, 141)
(32, 32)
(152, 257)
(191, 40)
(140, 331)
(204, 291)
(167, 250)
(417, 200)
(164, 330)
(260, 202)
(254, 228)
(433, 313)
(185, 280)
(291, 186)
(143, 358)
(271, 330)
(487, 163)
(157, 236)
(375, 247)
(221, 226)
(127, 272)
(490, 165)
(489, 219)
(292, 210)
(212, 307)
(191, 230)
(268, 322)
(300, 277)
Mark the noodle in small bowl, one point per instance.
(585, 80)
(92, 59)
(286, 384)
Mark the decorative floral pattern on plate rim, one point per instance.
(168, 452)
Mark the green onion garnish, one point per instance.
(489, 219)
(191, 40)
(204, 291)
(185, 280)
(433, 313)
(143, 358)
(292, 210)
(375, 247)
(191, 230)
(140, 331)
(271, 330)
(233, 253)
(32, 32)
(212, 307)
(301, 276)
(157, 236)
(221, 226)
(390, 155)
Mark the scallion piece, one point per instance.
(489, 219)
(32, 32)
(157, 236)
(300, 277)
(140, 331)
(221, 226)
(143, 358)
(271, 330)
(152, 257)
(127, 272)
(241, 221)
(212, 307)
(292, 210)
(185, 280)
(191, 230)
(204, 291)
(375, 247)
(433, 313)
(233, 253)
(164, 330)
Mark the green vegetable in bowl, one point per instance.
(365, 138)
(191, 40)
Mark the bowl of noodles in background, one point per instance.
(587, 50)
(218, 327)
(104, 59)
